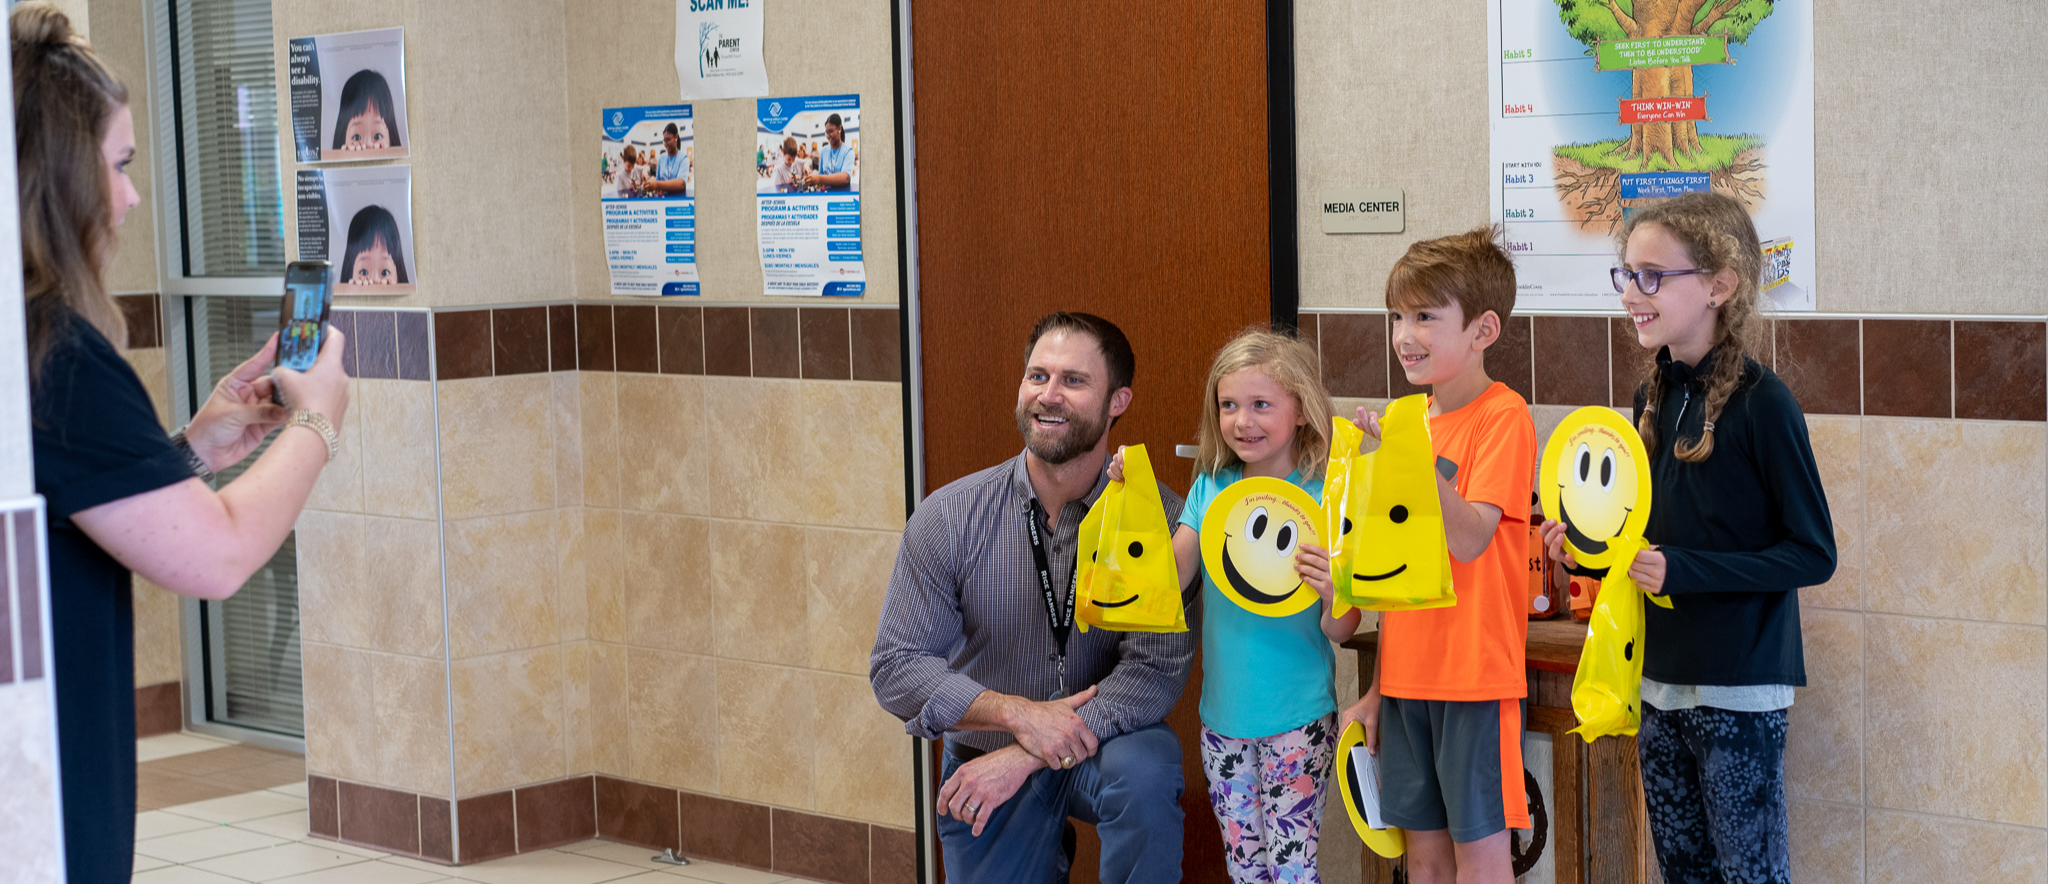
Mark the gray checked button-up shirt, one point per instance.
(965, 614)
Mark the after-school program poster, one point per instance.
(807, 195)
(648, 192)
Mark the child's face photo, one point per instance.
(374, 266)
(367, 131)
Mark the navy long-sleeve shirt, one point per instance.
(1740, 531)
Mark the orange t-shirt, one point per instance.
(1474, 650)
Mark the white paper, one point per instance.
(1365, 768)
(1565, 167)
(718, 49)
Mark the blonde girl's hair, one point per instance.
(64, 99)
(1717, 235)
(1293, 365)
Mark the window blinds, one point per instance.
(218, 58)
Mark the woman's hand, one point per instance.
(323, 389)
(1648, 570)
(1553, 543)
(1312, 562)
(238, 415)
(1115, 470)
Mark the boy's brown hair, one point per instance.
(1469, 269)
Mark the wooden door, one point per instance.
(1103, 157)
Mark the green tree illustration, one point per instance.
(1591, 21)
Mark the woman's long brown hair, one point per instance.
(64, 98)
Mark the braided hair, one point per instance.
(1717, 235)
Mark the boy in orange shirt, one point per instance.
(1444, 712)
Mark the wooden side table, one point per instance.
(1598, 830)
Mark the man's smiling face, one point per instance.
(1064, 403)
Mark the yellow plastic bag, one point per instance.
(1345, 437)
(1395, 553)
(1127, 580)
(1607, 691)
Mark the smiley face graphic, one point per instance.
(1596, 480)
(1402, 553)
(1249, 538)
(1359, 784)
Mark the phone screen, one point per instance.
(304, 324)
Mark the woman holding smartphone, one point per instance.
(123, 496)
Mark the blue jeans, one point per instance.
(1130, 790)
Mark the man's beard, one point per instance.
(1081, 434)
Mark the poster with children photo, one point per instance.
(360, 220)
(348, 96)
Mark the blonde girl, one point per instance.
(1740, 523)
(1268, 703)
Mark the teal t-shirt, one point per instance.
(1260, 675)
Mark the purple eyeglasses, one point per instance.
(1647, 281)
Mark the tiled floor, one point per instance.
(184, 768)
(260, 836)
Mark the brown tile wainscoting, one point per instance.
(813, 343)
(565, 811)
(145, 320)
(159, 709)
(22, 655)
(1938, 368)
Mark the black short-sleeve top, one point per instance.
(96, 440)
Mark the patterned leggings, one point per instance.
(1715, 783)
(1268, 795)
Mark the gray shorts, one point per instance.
(1452, 764)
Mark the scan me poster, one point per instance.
(1599, 109)
(649, 172)
(807, 195)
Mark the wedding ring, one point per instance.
(1066, 761)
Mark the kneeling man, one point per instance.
(977, 646)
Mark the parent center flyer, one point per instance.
(807, 195)
(648, 170)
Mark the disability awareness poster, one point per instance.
(1598, 109)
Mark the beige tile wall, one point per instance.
(1919, 748)
(119, 37)
(1895, 215)
(374, 638)
(734, 611)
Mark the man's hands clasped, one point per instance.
(1049, 733)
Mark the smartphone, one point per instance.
(302, 321)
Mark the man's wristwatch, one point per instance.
(317, 422)
(192, 458)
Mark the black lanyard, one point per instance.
(1060, 622)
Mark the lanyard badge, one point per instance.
(1059, 618)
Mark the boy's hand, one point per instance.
(1648, 570)
(1367, 713)
(1312, 562)
(1115, 470)
(1553, 542)
(1370, 423)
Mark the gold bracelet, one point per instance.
(317, 423)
